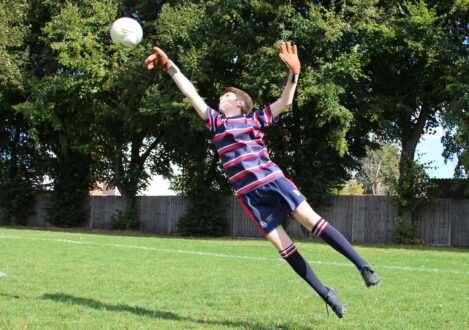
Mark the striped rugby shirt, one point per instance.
(239, 144)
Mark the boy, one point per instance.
(264, 192)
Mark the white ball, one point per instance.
(126, 32)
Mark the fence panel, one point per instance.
(358, 219)
(177, 208)
(381, 212)
(103, 209)
(154, 215)
(38, 216)
(460, 222)
(338, 211)
(362, 219)
(434, 222)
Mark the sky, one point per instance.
(158, 187)
(429, 149)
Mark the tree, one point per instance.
(379, 170)
(132, 128)
(65, 70)
(410, 60)
(188, 39)
(88, 106)
(329, 122)
(352, 188)
(135, 121)
(19, 159)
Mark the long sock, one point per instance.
(302, 268)
(335, 239)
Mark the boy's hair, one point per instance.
(241, 96)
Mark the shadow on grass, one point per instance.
(11, 296)
(92, 303)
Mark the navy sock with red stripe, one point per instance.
(335, 239)
(302, 268)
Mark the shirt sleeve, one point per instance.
(264, 117)
(213, 120)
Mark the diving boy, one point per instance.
(264, 192)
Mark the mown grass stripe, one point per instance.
(224, 255)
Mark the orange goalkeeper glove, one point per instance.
(289, 55)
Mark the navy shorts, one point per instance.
(270, 204)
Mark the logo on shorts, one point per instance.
(297, 192)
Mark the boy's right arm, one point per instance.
(160, 60)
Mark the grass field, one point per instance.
(73, 280)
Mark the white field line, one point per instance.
(2, 274)
(224, 255)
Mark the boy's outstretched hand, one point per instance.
(289, 55)
(158, 59)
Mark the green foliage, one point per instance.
(16, 198)
(409, 65)
(67, 205)
(13, 30)
(63, 74)
(20, 159)
(352, 188)
(125, 221)
(203, 217)
(458, 119)
(83, 106)
(415, 187)
(456, 116)
(199, 181)
(405, 233)
(21, 167)
(67, 209)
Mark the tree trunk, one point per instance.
(411, 134)
(127, 189)
(129, 199)
(127, 179)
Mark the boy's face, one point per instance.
(229, 104)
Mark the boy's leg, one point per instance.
(321, 228)
(282, 242)
(280, 239)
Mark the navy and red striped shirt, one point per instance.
(239, 144)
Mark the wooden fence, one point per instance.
(362, 219)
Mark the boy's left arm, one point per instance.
(289, 54)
